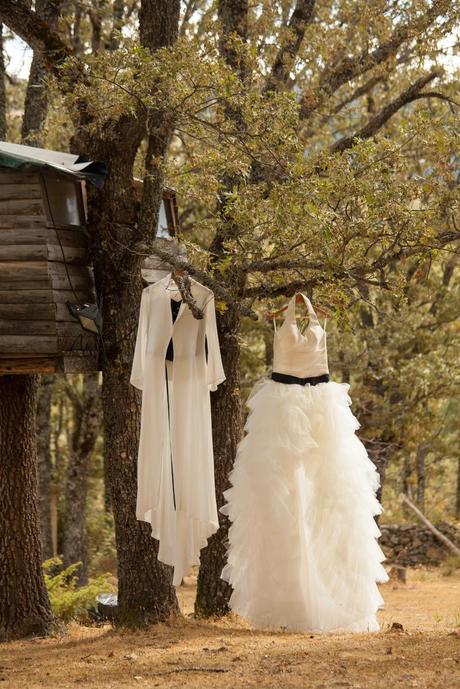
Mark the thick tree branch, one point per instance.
(202, 276)
(285, 290)
(351, 67)
(35, 31)
(360, 91)
(375, 123)
(285, 58)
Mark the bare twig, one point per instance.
(191, 669)
(440, 536)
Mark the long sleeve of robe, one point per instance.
(176, 493)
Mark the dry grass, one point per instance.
(227, 654)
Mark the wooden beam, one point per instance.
(27, 365)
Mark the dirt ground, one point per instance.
(227, 654)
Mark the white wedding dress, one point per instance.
(303, 551)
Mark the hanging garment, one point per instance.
(302, 552)
(175, 492)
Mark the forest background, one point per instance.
(314, 147)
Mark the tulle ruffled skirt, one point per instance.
(303, 551)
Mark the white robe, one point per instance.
(176, 492)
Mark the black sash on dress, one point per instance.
(293, 380)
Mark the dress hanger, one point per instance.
(298, 300)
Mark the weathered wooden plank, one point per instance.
(28, 344)
(20, 221)
(20, 207)
(27, 285)
(41, 235)
(73, 254)
(75, 237)
(20, 190)
(31, 364)
(24, 311)
(10, 176)
(81, 277)
(64, 295)
(44, 252)
(19, 271)
(27, 327)
(21, 235)
(24, 252)
(32, 296)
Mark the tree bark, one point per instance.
(86, 424)
(24, 603)
(44, 464)
(213, 593)
(420, 457)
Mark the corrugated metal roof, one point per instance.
(29, 157)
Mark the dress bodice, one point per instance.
(300, 354)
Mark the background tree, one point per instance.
(82, 437)
(45, 465)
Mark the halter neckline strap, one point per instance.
(291, 307)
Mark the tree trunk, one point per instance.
(213, 593)
(405, 473)
(146, 594)
(3, 125)
(405, 477)
(44, 464)
(107, 494)
(420, 457)
(24, 603)
(86, 424)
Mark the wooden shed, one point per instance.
(44, 260)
